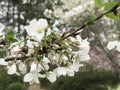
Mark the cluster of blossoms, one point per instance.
(79, 9)
(43, 54)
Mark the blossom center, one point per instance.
(39, 30)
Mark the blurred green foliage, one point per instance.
(16, 86)
(10, 82)
(90, 80)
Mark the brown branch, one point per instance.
(74, 33)
(17, 58)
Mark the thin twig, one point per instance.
(74, 33)
(17, 58)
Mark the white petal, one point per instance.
(22, 67)
(85, 57)
(60, 71)
(39, 67)
(39, 36)
(46, 60)
(118, 46)
(33, 67)
(41, 75)
(75, 66)
(12, 69)
(46, 66)
(30, 30)
(111, 45)
(28, 77)
(3, 62)
(48, 31)
(70, 72)
(79, 38)
(43, 23)
(36, 80)
(51, 77)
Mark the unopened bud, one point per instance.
(16, 50)
(64, 57)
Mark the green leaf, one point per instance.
(9, 32)
(91, 20)
(99, 3)
(110, 5)
(112, 16)
(10, 36)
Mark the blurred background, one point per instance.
(102, 72)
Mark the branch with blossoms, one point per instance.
(75, 32)
(46, 53)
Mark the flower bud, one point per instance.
(16, 50)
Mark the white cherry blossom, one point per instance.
(37, 28)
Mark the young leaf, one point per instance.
(110, 5)
(91, 20)
(99, 3)
(112, 16)
(10, 36)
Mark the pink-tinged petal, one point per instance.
(33, 67)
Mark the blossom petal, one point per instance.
(28, 77)
(60, 71)
(118, 46)
(12, 69)
(41, 75)
(22, 67)
(46, 66)
(3, 62)
(111, 45)
(46, 60)
(36, 80)
(33, 67)
(51, 77)
(70, 72)
(85, 57)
